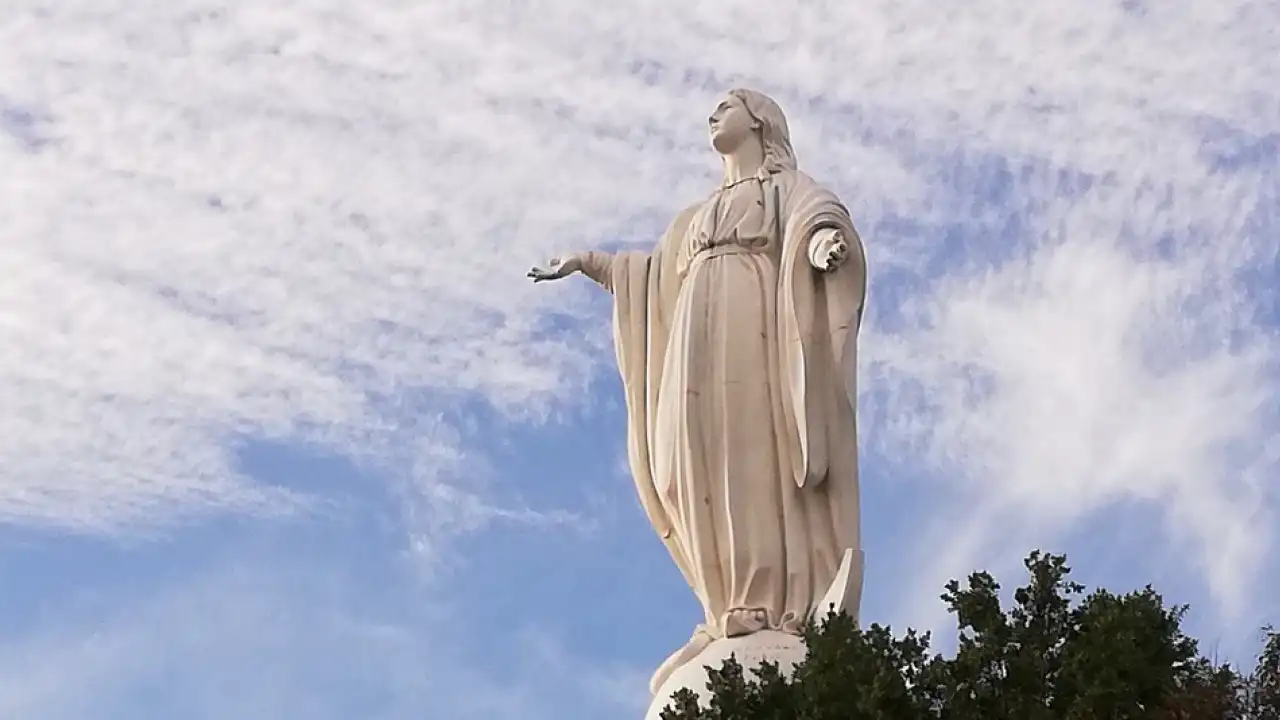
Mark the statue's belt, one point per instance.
(732, 248)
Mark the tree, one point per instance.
(1056, 654)
(1262, 689)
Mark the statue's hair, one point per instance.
(774, 134)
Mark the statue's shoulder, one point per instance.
(795, 181)
(683, 218)
(792, 184)
(799, 188)
(677, 228)
(685, 215)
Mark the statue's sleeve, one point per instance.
(599, 267)
(645, 286)
(819, 315)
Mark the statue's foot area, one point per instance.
(701, 638)
(737, 623)
(744, 621)
(785, 649)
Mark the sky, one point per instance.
(285, 431)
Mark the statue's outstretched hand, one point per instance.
(556, 269)
(833, 253)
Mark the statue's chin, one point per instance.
(724, 144)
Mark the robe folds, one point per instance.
(738, 360)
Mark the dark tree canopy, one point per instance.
(1056, 654)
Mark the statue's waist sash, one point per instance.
(732, 248)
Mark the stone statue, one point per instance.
(736, 340)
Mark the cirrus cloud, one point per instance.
(308, 222)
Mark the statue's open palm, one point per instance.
(556, 269)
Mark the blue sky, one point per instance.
(285, 433)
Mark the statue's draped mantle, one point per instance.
(818, 315)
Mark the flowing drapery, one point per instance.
(738, 371)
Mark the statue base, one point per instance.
(785, 649)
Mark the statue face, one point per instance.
(731, 125)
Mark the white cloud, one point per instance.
(284, 221)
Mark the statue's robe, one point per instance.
(738, 358)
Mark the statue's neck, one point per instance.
(743, 163)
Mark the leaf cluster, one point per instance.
(1056, 653)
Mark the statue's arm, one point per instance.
(826, 222)
(599, 267)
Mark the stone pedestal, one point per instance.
(782, 648)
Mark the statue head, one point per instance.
(751, 116)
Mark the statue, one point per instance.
(736, 341)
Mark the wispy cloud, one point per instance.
(309, 221)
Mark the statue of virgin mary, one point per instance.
(736, 341)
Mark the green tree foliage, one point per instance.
(1055, 654)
